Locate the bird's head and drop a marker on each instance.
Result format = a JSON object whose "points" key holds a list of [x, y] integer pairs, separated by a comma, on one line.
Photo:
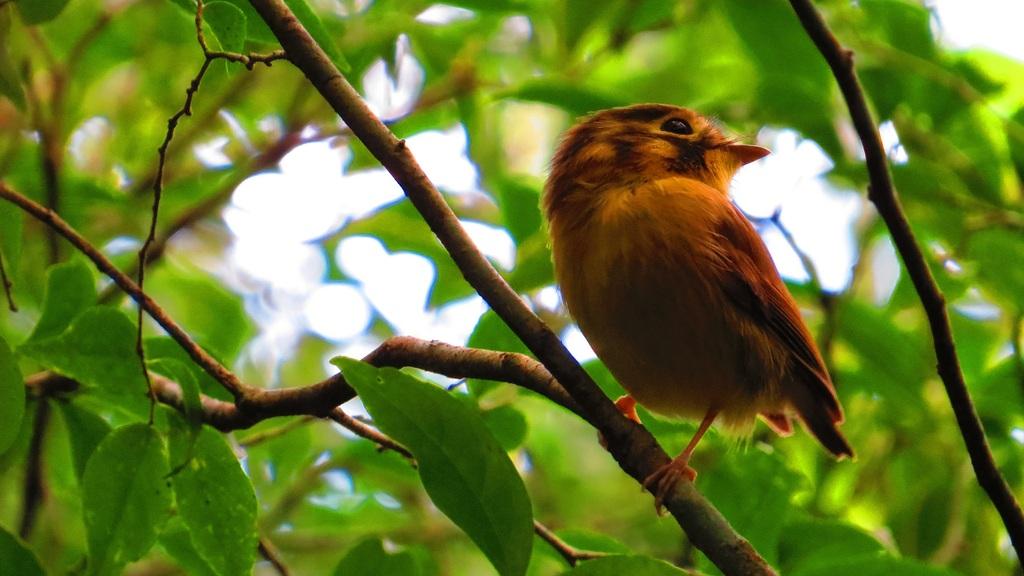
{"points": [[626, 146]]}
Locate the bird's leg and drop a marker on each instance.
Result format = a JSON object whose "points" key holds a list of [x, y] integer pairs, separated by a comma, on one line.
{"points": [[664, 479], [627, 405]]}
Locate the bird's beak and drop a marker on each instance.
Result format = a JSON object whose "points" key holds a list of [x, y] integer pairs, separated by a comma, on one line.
{"points": [[747, 153]]}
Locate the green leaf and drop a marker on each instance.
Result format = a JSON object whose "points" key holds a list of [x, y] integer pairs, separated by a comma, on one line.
{"points": [[214, 316], [999, 256], [70, 290], [175, 541], [508, 424], [228, 23], [810, 542], [39, 11], [182, 374], [755, 509], [572, 97], [519, 202], [369, 557], [125, 497], [17, 557], [257, 30], [491, 333], [215, 499], [534, 267], [11, 223], [618, 565], [12, 397], [164, 347], [311, 22], [98, 350], [85, 432], [873, 565], [463, 468]]}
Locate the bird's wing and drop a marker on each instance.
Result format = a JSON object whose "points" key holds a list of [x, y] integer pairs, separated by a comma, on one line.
{"points": [[753, 284]]}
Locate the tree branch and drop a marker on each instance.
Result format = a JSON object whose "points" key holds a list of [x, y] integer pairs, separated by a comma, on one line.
{"points": [[270, 554], [572, 555], [882, 193], [370, 433], [58, 225], [7, 286], [633, 447]]}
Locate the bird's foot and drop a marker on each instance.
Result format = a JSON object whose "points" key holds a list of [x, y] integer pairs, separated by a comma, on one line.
{"points": [[627, 405], [664, 479]]}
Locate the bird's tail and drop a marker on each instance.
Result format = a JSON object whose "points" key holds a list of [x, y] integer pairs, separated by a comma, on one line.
{"points": [[819, 410]]}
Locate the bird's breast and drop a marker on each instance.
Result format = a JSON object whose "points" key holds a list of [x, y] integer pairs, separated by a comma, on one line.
{"points": [[640, 278]]}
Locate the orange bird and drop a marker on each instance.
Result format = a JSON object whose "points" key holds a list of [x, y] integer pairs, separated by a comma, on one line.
{"points": [[671, 285]]}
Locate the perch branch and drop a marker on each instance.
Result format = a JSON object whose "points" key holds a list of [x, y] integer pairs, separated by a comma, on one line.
{"points": [[633, 447], [882, 193]]}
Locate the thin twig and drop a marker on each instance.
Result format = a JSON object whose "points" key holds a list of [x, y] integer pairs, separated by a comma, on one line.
{"points": [[158, 186], [34, 489], [7, 286], [205, 207], [632, 446], [261, 437], [572, 555], [56, 223], [370, 433], [270, 554], [882, 193]]}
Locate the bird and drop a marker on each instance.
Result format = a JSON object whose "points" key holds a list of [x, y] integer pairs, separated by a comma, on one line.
{"points": [[672, 286]]}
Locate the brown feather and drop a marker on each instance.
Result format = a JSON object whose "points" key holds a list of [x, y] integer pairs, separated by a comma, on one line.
{"points": [[754, 285], [671, 285]]}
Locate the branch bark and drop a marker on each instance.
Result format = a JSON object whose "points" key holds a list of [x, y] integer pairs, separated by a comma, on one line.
{"points": [[59, 226], [883, 195], [633, 447]]}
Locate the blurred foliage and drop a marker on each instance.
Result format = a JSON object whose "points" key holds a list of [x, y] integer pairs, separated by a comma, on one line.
{"points": [[86, 89]]}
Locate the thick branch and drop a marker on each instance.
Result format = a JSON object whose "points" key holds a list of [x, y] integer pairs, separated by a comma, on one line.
{"points": [[882, 193], [57, 224], [631, 445]]}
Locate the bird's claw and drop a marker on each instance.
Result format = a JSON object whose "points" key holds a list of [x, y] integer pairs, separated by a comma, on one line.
{"points": [[664, 479]]}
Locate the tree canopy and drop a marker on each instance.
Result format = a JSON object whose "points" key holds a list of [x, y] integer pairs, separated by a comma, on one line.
{"points": [[315, 371]]}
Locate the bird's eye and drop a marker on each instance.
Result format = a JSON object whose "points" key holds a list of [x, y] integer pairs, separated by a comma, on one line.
{"points": [[677, 126]]}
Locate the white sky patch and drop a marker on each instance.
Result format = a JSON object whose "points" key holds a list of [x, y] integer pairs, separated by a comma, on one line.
{"points": [[577, 344], [291, 267], [298, 204], [819, 217], [992, 24], [443, 157], [211, 153], [88, 142], [494, 242], [337, 311], [891, 142], [549, 297], [394, 95], [885, 271], [444, 14], [396, 285]]}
